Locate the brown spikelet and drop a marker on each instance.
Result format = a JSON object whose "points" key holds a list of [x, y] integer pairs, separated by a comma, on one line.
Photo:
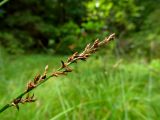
{"points": [[16, 102], [63, 64], [68, 69], [71, 58], [43, 77], [36, 78], [56, 74], [96, 42], [30, 86]]}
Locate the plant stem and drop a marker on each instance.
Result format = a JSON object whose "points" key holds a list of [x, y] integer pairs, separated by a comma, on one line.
{"points": [[64, 69], [5, 107]]}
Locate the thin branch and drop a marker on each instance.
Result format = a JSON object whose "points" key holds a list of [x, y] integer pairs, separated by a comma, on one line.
{"points": [[63, 70]]}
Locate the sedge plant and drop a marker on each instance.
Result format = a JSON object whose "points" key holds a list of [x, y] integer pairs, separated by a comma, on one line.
{"points": [[64, 69]]}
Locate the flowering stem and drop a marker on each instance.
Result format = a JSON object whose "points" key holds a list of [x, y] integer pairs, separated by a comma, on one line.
{"points": [[63, 70]]}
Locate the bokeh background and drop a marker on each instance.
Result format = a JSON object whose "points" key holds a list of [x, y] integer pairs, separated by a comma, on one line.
{"points": [[120, 82]]}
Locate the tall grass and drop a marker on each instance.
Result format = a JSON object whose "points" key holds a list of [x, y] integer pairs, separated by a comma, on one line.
{"points": [[99, 92]]}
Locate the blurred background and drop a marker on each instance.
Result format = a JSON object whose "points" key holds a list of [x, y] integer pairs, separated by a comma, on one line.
{"points": [[120, 82]]}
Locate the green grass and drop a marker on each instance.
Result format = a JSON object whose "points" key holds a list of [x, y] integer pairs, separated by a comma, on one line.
{"points": [[95, 90]]}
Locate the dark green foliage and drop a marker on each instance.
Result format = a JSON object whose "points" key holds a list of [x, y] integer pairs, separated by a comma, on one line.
{"points": [[10, 43], [35, 24], [68, 36], [147, 41], [67, 25]]}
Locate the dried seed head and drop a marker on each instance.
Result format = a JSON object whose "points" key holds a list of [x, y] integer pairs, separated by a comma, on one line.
{"points": [[56, 74], [68, 70], [71, 58], [82, 57], [88, 47], [30, 86], [28, 99], [43, 77], [96, 42], [36, 78], [16, 102], [63, 64], [107, 39], [87, 55]]}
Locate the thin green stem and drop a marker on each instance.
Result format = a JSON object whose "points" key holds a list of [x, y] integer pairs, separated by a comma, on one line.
{"points": [[5, 107]]}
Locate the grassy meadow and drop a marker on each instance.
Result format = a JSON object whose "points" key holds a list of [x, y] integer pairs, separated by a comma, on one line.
{"points": [[101, 88], [110, 85]]}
